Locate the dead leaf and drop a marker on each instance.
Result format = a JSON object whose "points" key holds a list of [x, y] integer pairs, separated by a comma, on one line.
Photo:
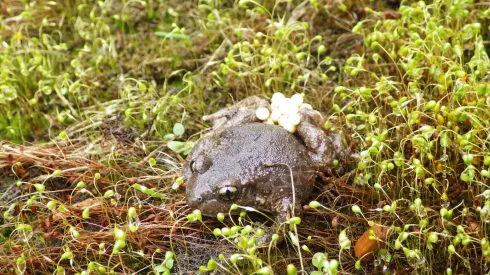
{"points": [[58, 216], [92, 202], [473, 225], [365, 246], [20, 170], [335, 222]]}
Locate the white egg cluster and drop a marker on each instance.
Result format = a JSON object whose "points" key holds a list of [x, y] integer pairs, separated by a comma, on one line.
{"points": [[284, 111]]}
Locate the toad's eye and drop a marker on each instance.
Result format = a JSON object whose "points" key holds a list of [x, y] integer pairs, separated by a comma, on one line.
{"points": [[200, 164], [228, 193], [193, 166]]}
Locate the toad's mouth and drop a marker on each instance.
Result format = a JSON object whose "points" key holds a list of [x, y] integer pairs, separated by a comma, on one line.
{"points": [[213, 207]]}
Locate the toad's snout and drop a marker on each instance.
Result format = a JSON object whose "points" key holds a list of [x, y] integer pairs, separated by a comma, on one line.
{"points": [[193, 196], [194, 201], [213, 197]]}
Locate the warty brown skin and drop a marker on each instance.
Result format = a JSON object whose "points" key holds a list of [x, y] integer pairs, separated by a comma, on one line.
{"points": [[257, 160]]}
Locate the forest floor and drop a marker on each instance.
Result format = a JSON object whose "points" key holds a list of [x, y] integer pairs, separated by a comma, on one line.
{"points": [[100, 101]]}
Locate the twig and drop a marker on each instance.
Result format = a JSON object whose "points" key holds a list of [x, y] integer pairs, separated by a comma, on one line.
{"points": [[226, 42]]}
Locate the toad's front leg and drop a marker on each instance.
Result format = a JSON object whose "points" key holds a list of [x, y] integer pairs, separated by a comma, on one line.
{"points": [[286, 209]]}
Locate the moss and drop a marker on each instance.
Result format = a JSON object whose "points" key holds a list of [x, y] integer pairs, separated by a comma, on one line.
{"points": [[95, 89]]}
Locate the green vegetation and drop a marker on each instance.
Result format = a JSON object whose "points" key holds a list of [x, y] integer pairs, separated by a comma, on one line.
{"points": [[101, 100]]}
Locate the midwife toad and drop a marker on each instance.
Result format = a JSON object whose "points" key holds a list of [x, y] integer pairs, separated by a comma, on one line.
{"points": [[253, 164]]}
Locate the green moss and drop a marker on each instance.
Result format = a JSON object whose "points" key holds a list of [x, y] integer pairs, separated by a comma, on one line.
{"points": [[109, 86]]}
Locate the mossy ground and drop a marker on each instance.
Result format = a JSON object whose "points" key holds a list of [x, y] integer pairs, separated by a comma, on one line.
{"points": [[100, 101]]}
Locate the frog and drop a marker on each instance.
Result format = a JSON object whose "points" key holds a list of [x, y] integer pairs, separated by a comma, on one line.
{"points": [[257, 166]]}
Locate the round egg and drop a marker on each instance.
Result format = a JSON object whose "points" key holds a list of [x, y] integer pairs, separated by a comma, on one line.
{"points": [[262, 113], [275, 115], [305, 106], [277, 97], [283, 120], [269, 121], [289, 127], [294, 119], [287, 107], [276, 104], [297, 99]]}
